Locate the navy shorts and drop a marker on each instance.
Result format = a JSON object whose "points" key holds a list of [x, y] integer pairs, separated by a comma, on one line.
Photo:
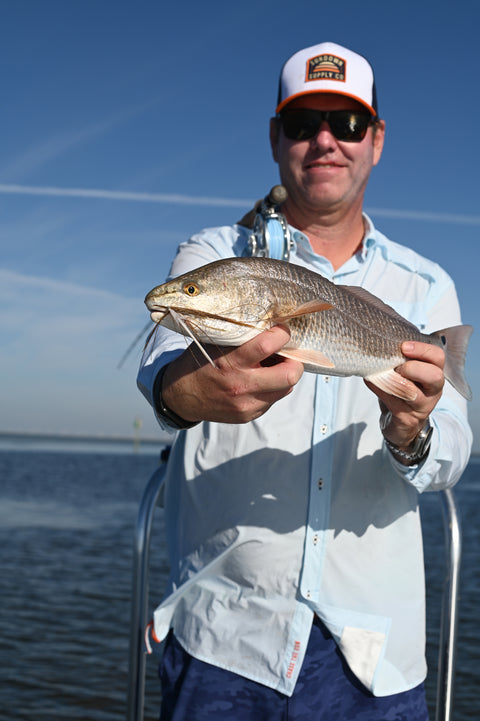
{"points": [[326, 691]]}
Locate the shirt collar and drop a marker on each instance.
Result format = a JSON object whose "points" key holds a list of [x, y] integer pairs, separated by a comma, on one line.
{"points": [[369, 238], [303, 248]]}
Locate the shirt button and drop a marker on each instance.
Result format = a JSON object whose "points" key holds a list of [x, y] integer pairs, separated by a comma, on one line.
{"points": [[308, 594], [326, 379], [315, 539], [324, 428], [320, 484]]}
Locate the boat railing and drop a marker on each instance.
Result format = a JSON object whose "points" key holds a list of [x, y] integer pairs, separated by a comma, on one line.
{"points": [[450, 607], [140, 585], [139, 610]]}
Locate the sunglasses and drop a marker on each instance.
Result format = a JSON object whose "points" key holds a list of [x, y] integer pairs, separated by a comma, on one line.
{"points": [[348, 126]]}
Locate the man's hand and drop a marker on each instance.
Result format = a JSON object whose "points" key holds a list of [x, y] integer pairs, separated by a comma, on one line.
{"points": [[243, 385], [403, 420]]}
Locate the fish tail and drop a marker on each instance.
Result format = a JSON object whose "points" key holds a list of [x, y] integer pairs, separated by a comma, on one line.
{"points": [[455, 342]]}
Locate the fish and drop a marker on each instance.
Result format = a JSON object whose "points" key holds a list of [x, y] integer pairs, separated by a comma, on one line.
{"points": [[337, 330]]}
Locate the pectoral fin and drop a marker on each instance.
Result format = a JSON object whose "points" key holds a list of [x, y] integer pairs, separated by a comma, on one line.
{"points": [[315, 359], [313, 306], [394, 384]]}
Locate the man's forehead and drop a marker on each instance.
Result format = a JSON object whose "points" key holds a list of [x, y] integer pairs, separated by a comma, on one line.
{"points": [[325, 101]]}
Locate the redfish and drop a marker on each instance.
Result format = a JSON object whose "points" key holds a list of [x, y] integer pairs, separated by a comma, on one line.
{"points": [[335, 329]]}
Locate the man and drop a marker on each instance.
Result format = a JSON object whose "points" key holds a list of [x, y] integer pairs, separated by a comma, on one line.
{"points": [[292, 511]]}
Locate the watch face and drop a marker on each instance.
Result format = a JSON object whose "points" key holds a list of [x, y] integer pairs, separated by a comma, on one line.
{"points": [[423, 440]]}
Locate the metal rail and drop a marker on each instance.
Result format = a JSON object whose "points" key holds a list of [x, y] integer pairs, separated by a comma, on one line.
{"points": [[138, 621], [449, 619]]}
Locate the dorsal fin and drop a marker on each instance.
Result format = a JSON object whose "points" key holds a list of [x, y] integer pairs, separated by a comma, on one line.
{"points": [[365, 295]]}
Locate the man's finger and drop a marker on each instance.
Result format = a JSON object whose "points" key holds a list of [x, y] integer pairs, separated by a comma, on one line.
{"points": [[426, 352], [264, 345], [426, 375]]}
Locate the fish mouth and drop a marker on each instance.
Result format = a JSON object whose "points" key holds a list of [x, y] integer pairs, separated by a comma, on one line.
{"points": [[157, 312], [158, 315]]}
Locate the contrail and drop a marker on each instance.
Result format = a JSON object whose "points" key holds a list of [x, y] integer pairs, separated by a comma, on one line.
{"points": [[425, 215], [179, 199], [167, 198]]}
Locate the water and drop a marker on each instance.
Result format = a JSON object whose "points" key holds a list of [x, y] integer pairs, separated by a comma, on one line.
{"points": [[66, 530]]}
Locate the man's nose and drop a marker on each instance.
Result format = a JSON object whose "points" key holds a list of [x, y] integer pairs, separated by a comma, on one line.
{"points": [[324, 136]]}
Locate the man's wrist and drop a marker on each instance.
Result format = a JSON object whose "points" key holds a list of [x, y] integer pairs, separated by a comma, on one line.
{"points": [[168, 416], [418, 448]]}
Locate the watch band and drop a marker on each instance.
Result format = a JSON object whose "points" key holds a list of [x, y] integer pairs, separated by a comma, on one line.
{"points": [[419, 447], [162, 410]]}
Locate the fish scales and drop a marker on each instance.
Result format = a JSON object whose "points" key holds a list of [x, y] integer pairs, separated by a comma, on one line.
{"points": [[369, 328], [335, 329]]}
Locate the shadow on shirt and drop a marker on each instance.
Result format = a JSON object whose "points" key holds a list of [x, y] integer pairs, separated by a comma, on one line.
{"points": [[328, 488]]}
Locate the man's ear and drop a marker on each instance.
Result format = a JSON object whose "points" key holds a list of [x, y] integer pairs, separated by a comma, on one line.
{"points": [[378, 140]]}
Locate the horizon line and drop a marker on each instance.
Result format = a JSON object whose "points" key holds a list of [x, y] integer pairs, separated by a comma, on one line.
{"points": [[99, 437], [180, 199]]}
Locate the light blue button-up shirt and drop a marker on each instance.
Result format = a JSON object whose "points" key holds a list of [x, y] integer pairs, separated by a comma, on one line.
{"points": [[304, 510]]}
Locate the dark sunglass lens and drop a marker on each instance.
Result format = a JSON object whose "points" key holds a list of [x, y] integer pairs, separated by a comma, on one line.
{"points": [[349, 127], [299, 125]]}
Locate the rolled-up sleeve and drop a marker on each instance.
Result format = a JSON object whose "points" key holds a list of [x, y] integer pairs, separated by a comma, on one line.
{"points": [[452, 437]]}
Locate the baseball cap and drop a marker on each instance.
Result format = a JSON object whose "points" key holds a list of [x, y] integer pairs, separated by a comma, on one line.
{"points": [[327, 68]]}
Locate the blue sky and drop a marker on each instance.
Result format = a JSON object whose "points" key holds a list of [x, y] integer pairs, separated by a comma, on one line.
{"points": [[126, 126]]}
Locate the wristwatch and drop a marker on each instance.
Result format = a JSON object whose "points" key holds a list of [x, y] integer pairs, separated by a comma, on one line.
{"points": [[162, 410], [419, 447]]}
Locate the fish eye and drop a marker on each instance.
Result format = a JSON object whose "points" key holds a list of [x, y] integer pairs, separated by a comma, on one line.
{"points": [[191, 289], [443, 339]]}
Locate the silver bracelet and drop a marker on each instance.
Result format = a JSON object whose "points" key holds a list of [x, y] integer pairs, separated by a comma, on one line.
{"points": [[420, 446]]}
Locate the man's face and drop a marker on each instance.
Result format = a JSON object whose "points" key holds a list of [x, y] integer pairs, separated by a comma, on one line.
{"points": [[322, 174]]}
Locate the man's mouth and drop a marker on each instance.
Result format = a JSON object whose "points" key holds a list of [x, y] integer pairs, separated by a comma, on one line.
{"points": [[318, 164]]}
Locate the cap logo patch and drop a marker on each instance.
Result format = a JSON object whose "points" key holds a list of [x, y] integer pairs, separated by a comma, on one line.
{"points": [[326, 67]]}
